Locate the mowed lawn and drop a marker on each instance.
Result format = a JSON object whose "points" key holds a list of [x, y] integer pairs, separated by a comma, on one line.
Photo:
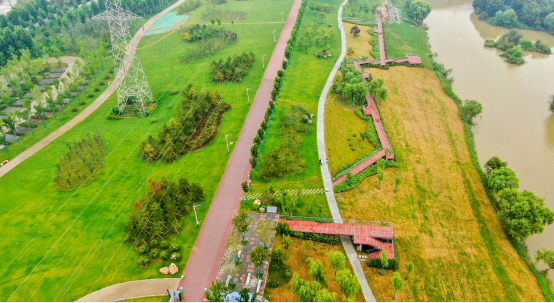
{"points": [[304, 80], [63, 245], [340, 124], [443, 220]]}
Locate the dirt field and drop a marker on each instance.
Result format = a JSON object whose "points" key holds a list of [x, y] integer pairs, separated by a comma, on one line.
{"points": [[360, 45], [340, 124], [443, 221], [296, 265]]}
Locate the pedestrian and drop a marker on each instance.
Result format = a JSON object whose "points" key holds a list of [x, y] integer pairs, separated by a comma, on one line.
{"points": [[320, 163], [326, 160]]}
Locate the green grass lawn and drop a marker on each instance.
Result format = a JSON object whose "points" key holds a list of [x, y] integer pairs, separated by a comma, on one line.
{"points": [[61, 118], [404, 38], [304, 80], [147, 299], [71, 243]]}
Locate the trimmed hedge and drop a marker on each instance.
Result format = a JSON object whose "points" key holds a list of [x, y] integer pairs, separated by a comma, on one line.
{"points": [[371, 132], [394, 264], [284, 229], [357, 179]]}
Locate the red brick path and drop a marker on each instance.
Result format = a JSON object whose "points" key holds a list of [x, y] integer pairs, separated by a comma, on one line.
{"points": [[203, 264]]}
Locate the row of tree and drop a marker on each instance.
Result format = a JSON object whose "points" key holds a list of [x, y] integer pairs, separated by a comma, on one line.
{"points": [[531, 14], [522, 213]]}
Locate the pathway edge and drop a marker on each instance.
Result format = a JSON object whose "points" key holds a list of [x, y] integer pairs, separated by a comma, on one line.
{"points": [[346, 241]]}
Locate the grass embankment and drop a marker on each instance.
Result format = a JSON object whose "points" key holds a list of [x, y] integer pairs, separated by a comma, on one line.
{"points": [[444, 222], [304, 80], [340, 124], [62, 117], [82, 239], [358, 46], [147, 299], [296, 265]]}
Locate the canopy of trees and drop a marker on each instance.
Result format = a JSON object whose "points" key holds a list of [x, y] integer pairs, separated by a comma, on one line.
{"points": [[351, 84], [159, 213], [513, 46], [234, 68], [531, 14], [418, 10], [194, 126]]}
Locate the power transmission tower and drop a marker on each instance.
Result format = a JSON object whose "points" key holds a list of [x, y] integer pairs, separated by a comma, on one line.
{"points": [[134, 88]]}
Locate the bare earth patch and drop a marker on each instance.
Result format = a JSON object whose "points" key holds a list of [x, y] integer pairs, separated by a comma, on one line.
{"points": [[443, 220]]}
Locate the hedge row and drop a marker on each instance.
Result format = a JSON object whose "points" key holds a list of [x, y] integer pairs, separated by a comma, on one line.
{"points": [[358, 178], [371, 132], [284, 229], [294, 33], [470, 141], [394, 264]]}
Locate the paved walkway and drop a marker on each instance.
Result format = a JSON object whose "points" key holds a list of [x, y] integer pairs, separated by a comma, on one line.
{"points": [[133, 289], [346, 241], [203, 264], [92, 107]]}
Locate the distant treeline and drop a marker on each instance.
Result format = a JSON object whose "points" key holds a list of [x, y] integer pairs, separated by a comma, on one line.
{"points": [[527, 14]]}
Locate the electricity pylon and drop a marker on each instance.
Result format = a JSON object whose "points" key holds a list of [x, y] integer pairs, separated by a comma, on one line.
{"points": [[134, 88]]}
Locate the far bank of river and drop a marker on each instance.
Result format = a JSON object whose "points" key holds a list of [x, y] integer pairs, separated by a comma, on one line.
{"points": [[516, 124]]}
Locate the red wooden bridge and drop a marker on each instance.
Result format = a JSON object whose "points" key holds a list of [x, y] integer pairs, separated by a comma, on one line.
{"points": [[370, 235]]}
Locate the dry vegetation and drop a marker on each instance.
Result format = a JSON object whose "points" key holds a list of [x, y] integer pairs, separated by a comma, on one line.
{"points": [[360, 45], [443, 220], [296, 265], [340, 124]]}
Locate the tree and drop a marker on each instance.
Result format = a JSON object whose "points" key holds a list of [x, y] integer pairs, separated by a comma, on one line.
{"points": [[218, 291], [546, 256], [323, 295], [397, 283], [470, 110], [398, 181], [265, 231], [245, 189], [258, 256], [523, 213], [549, 23], [241, 222], [494, 163], [502, 178], [306, 245], [380, 176], [286, 241], [410, 267], [278, 256], [355, 31], [348, 283], [337, 260], [418, 10], [384, 261], [306, 291], [317, 271], [514, 55], [506, 18]]}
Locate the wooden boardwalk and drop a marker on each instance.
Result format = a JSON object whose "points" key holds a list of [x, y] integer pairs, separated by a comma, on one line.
{"points": [[369, 235]]}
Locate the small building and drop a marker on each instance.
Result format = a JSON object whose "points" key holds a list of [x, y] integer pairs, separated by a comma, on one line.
{"points": [[271, 210]]}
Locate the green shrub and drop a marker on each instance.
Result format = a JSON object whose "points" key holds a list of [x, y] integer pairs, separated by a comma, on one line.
{"points": [[111, 116], [153, 254], [174, 92], [393, 263], [490, 43], [164, 255], [143, 261], [255, 207], [144, 249], [284, 229], [90, 95], [175, 247], [97, 89], [107, 76], [176, 256], [357, 179], [101, 82], [82, 103], [154, 243], [164, 245], [75, 109]]}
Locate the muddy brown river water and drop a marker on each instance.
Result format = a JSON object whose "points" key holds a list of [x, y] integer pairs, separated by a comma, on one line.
{"points": [[516, 124]]}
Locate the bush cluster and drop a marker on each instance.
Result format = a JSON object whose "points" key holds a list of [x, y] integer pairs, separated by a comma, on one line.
{"points": [[234, 68], [219, 39], [284, 229], [371, 132], [394, 264], [198, 118]]}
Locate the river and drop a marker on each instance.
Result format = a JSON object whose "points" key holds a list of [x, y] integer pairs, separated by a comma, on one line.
{"points": [[516, 124]]}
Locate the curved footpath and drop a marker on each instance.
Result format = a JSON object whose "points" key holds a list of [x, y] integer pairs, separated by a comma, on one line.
{"points": [[346, 241], [133, 289], [205, 259], [93, 106]]}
